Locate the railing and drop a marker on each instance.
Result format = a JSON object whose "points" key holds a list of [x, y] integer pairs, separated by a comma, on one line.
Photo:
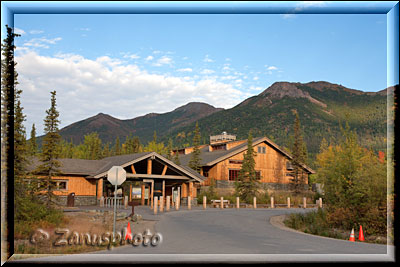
{"points": [[221, 137], [110, 202]]}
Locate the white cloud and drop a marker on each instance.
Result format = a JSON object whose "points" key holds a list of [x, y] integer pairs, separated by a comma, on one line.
{"points": [[19, 31], [208, 59], [207, 71], [255, 78], [272, 68], [86, 87], [149, 58], [185, 70], [42, 42], [131, 56], [36, 31], [164, 60]]}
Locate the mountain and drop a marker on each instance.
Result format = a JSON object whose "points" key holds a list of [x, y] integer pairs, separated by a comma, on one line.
{"points": [[109, 128], [322, 106]]}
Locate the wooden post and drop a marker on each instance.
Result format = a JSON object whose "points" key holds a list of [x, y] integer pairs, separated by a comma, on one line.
{"points": [[161, 204], [101, 201], [320, 202], [237, 203], [204, 202], [288, 202], [255, 202], [221, 205], [164, 170], [191, 189], [272, 203], [152, 193], [167, 204], [304, 202], [142, 194], [189, 204], [130, 192], [163, 188], [177, 203], [155, 205], [126, 202]]}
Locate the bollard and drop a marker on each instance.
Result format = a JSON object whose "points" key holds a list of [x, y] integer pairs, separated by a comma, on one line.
{"points": [[167, 204], [189, 204], [237, 203], [204, 202], [320, 202], [272, 203], [255, 202], [126, 202], [161, 203], [222, 203], [101, 201], [288, 202], [177, 203], [155, 206], [304, 202]]}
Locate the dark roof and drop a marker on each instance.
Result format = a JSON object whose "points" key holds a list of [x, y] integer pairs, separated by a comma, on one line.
{"points": [[72, 166], [211, 158], [99, 168]]}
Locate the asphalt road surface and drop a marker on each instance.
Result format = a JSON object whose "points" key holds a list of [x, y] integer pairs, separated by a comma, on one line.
{"points": [[232, 235]]}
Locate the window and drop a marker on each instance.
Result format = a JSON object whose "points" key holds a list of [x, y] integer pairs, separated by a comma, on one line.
{"points": [[231, 161], [289, 165], [233, 175], [60, 185], [219, 147], [261, 149], [205, 173], [258, 175]]}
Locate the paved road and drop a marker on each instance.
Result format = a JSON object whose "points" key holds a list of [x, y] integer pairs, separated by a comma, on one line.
{"points": [[233, 233]]}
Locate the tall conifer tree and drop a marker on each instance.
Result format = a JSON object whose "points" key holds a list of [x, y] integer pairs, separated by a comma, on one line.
{"points": [[50, 150], [195, 159]]}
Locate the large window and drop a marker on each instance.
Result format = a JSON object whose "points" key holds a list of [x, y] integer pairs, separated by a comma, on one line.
{"points": [[258, 175], [233, 175]]}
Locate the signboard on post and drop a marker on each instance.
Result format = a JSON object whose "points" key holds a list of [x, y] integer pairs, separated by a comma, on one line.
{"points": [[116, 175]]}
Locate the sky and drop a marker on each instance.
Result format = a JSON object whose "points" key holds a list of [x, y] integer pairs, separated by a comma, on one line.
{"points": [[129, 65]]}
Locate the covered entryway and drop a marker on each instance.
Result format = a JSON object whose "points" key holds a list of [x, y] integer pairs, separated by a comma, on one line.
{"points": [[150, 175]]}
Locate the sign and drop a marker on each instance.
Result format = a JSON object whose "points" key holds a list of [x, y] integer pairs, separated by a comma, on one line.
{"points": [[116, 175], [136, 192]]}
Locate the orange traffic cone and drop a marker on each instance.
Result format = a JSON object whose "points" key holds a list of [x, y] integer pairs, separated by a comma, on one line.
{"points": [[352, 236], [361, 234], [128, 232]]}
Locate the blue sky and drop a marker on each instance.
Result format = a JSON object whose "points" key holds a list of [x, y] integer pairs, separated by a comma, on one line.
{"points": [[131, 65]]}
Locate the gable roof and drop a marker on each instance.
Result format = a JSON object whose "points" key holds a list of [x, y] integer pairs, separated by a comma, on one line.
{"points": [[211, 158], [99, 168]]}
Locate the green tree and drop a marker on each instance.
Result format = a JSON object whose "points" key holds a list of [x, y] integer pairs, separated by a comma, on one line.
{"points": [[132, 145], [33, 147], [195, 159], [246, 186], [50, 165], [299, 156], [176, 158], [354, 184], [117, 147], [169, 149], [92, 146], [153, 146]]}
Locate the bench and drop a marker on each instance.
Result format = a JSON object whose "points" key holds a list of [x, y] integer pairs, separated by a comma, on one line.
{"points": [[216, 203]]}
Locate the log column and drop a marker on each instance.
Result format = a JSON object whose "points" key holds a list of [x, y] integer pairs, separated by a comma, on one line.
{"points": [[143, 193]]}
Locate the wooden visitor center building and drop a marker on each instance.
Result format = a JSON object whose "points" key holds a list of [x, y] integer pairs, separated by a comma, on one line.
{"points": [[150, 174]]}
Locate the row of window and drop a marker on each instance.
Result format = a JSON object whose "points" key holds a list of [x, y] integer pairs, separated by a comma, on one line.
{"points": [[233, 175]]}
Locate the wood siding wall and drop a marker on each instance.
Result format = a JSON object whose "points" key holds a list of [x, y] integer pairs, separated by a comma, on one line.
{"points": [[272, 166], [78, 185]]}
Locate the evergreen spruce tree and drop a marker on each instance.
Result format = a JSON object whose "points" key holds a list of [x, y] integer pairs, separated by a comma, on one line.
{"points": [[169, 149], [195, 159], [176, 158], [50, 151], [246, 186], [299, 154], [117, 147], [33, 147]]}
